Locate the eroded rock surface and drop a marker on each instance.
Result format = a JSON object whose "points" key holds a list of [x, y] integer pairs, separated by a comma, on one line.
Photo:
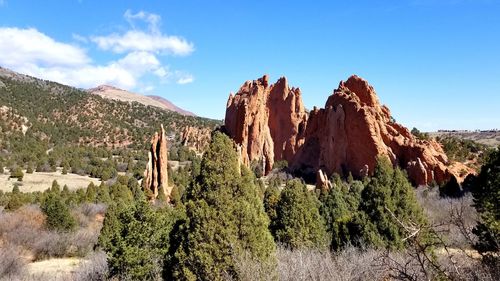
{"points": [[156, 174], [269, 123], [266, 121]]}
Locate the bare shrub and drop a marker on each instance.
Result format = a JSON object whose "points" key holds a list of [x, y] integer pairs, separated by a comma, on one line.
{"points": [[94, 268], [25, 228], [453, 218], [12, 265], [349, 264]]}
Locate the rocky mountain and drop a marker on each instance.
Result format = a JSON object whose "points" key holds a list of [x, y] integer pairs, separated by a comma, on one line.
{"points": [[170, 106], [269, 123], [114, 93]]}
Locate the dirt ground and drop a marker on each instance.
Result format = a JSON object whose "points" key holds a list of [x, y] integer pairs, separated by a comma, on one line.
{"points": [[42, 181]]}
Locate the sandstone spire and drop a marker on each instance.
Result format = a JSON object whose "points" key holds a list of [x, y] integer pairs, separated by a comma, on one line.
{"points": [[267, 121], [156, 174]]}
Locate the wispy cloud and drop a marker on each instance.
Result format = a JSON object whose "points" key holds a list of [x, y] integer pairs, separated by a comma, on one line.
{"points": [[150, 40], [185, 79]]}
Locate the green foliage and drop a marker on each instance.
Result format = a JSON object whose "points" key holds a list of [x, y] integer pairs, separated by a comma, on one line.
{"points": [[388, 198], [339, 209], [419, 135], [280, 165], [298, 223], [257, 167], [461, 149], [486, 194], [136, 239], [225, 218], [271, 199], [17, 173], [15, 201], [58, 215]]}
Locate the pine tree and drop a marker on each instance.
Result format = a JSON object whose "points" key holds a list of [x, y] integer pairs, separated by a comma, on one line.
{"points": [[486, 192], [225, 219], [298, 222]]}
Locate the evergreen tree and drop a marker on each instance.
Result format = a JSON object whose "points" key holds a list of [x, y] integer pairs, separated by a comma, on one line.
{"points": [[15, 201], [225, 219], [486, 192], [387, 198], [271, 199], [136, 239], [339, 210], [58, 214], [17, 173], [298, 222], [55, 188]]}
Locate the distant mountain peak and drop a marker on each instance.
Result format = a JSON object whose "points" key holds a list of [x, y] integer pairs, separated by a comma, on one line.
{"points": [[111, 92]]}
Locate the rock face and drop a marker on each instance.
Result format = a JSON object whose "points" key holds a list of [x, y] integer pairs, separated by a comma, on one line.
{"points": [[354, 129], [266, 121], [196, 138], [270, 124], [156, 174]]}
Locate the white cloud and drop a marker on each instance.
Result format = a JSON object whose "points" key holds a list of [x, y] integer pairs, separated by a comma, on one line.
{"points": [[79, 38], [30, 45], [134, 40], [185, 79], [153, 20], [34, 53], [151, 40]]}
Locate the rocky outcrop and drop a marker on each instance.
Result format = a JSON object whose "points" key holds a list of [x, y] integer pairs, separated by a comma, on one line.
{"points": [[354, 129], [270, 123], [196, 138], [266, 121], [322, 182], [156, 174]]}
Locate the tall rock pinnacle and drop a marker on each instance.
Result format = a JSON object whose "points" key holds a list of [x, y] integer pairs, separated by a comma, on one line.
{"points": [[156, 174]]}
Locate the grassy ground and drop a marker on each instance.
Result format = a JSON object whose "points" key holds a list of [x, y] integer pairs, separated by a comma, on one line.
{"points": [[41, 181]]}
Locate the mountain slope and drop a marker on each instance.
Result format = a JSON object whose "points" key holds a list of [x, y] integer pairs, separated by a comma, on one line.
{"points": [[114, 93], [169, 105], [59, 114]]}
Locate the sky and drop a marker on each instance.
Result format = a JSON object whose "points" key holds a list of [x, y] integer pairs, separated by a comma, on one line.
{"points": [[434, 63]]}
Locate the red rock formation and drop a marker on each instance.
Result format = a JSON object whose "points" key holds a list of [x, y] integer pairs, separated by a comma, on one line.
{"points": [[267, 121], [354, 129], [196, 138], [156, 174]]}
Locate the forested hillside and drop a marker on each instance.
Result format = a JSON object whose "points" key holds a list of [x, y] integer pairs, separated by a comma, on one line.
{"points": [[42, 123]]}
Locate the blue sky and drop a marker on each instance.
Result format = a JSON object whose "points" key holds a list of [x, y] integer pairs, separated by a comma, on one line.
{"points": [[435, 63]]}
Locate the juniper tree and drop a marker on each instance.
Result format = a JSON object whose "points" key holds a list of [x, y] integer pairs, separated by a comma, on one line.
{"points": [[225, 219], [298, 223]]}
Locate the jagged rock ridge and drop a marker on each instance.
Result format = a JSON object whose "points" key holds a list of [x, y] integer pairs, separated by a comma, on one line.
{"points": [[270, 123], [267, 121]]}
